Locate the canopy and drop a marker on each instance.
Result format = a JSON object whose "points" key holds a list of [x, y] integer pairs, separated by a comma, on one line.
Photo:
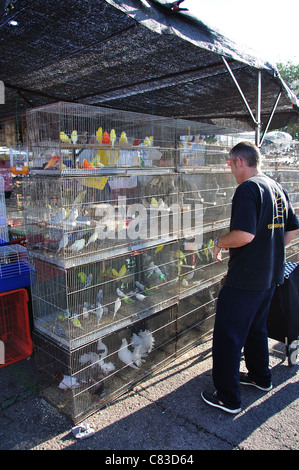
{"points": [[136, 55]]}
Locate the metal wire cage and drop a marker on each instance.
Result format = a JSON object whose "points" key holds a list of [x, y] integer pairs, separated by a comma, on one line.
{"points": [[68, 135]]}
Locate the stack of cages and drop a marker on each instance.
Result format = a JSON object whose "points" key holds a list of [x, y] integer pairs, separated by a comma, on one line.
{"points": [[120, 212]]}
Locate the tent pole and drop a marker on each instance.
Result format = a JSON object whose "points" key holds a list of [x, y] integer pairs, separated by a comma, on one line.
{"points": [[239, 88], [258, 123], [271, 116]]}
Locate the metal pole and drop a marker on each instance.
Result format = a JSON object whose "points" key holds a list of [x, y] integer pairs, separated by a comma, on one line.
{"points": [[258, 109], [271, 116], [239, 88]]}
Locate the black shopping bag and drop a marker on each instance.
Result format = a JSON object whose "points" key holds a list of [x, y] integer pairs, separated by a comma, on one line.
{"points": [[283, 318]]}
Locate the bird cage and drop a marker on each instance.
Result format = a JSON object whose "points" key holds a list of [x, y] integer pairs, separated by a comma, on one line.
{"points": [[15, 271], [68, 136], [3, 221], [19, 160], [120, 233], [95, 374]]}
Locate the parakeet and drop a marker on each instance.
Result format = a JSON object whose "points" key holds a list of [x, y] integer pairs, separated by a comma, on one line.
{"points": [[139, 296], [99, 296], [154, 202], [99, 312], [99, 135], [125, 355], [63, 242], [159, 248], [65, 138], [122, 295], [79, 198], [88, 280], [77, 323], [72, 215], [78, 245], [121, 273], [93, 238], [146, 142], [60, 216], [117, 306], [74, 137]]}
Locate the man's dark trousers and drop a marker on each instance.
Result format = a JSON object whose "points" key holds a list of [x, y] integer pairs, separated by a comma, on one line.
{"points": [[240, 321]]}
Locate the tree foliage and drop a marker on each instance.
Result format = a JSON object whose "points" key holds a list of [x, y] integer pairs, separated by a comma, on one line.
{"points": [[290, 74]]}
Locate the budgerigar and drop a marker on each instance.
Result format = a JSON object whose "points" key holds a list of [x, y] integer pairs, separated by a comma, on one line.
{"points": [[112, 137], [92, 238], [63, 242], [117, 306], [78, 245], [73, 215]]}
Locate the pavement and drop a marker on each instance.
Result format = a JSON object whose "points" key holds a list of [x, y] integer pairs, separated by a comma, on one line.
{"points": [[164, 413]]}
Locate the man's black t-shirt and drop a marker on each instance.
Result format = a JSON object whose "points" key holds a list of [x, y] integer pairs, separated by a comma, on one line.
{"points": [[261, 207]]}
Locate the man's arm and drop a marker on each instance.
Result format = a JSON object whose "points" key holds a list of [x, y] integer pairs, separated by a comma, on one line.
{"points": [[233, 239]]}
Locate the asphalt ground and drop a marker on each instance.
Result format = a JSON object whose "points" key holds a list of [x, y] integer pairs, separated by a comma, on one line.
{"points": [[162, 416]]}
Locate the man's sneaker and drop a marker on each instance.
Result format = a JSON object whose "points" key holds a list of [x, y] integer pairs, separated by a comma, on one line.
{"points": [[214, 401], [245, 380]]}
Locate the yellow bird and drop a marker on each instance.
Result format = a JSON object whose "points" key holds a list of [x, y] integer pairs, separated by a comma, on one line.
{"points": [[64, 138], [123, 138], [146, 142], [112, 137], [74, 137], [99, 135]]}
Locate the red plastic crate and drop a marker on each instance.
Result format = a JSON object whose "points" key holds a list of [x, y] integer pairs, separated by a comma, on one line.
{"points": [[15, 336]]}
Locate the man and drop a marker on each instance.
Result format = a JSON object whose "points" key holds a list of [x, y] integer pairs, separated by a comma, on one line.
{"points": [[262, 223]]}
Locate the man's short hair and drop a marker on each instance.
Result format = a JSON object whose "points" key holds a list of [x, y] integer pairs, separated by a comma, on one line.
{"points": [[248, 152]]}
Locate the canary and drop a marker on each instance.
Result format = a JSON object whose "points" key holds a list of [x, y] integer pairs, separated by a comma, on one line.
{"points": [[64, 138], [112, 136], [123, 138], [74, 137], [106, 138], [99, 135]]}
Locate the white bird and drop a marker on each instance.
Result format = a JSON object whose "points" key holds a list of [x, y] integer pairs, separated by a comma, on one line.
{"points": [[93, 238], [68, 382], [102, 347], [125, 355], [99, 312], [78, 245], [63, 242], [91, 357], [117, 306], [139, 296], [107, 367], [145, 340], [120, 293]]}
